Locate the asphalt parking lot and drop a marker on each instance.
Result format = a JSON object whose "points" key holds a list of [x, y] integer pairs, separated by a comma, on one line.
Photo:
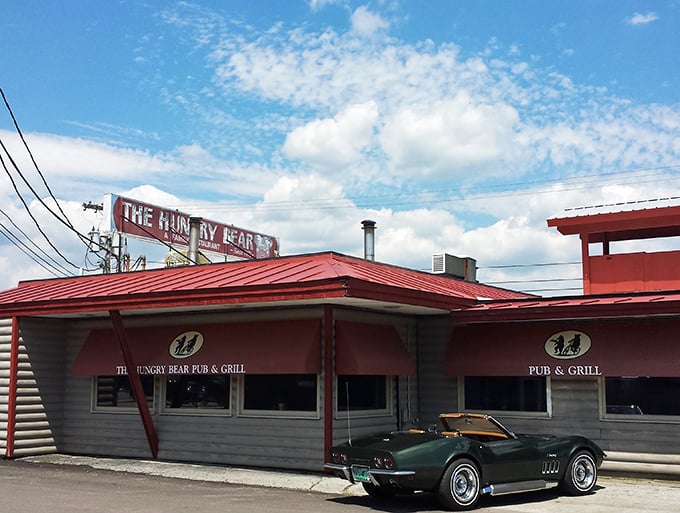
{"points": [[72, 484]]}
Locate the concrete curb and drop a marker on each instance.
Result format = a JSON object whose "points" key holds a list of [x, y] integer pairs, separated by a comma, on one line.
{"points": [[299, 481], [289, 480]]}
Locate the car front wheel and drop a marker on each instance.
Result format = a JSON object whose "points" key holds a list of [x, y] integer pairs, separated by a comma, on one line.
{"points": [[581, 474], [460, 486]]}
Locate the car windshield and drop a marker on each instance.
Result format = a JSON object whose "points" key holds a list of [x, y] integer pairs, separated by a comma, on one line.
{"points": [[469, 422]]}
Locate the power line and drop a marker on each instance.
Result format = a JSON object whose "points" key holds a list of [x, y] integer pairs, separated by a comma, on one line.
{"points": [[63, 218], [435, 196], [55, 264], [13, 239], [543, 264], [28, 211], [30, 153]]}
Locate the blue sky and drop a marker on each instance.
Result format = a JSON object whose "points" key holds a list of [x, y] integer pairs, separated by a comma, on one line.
{"points": [[459, 126]]}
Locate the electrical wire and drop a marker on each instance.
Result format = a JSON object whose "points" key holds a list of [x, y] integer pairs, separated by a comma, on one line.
{"points": [[55, 264], [30, 153], [63, 218], [14, 240], [30, 214]]}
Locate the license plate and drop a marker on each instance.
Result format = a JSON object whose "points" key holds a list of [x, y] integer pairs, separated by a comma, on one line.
{"points": [[360, 474]]}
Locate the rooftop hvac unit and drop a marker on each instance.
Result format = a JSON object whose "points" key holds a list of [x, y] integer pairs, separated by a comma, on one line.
{"points": [[456, 267]]}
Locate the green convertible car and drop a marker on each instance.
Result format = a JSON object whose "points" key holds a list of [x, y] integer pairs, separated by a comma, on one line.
{"points": [[474, 455]]}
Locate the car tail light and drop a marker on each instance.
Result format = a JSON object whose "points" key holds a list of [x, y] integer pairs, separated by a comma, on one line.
{"points": [[388, 462], [335, 457], [378, 462], [344, 459]]}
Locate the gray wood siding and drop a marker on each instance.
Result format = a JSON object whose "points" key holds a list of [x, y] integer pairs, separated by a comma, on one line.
{"points": [[576, 411], [404, 398], [5, 344], [437, 393], [235, 440]]}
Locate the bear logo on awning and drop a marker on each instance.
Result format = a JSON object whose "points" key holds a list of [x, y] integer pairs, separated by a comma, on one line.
{"points": [[186, 344], [569, 344]]}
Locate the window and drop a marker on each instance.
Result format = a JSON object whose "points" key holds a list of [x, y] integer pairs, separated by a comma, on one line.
{"points": [[116, 392], [363, 394], [506, 394], [642, 396], [280, 394], [191, 393]]}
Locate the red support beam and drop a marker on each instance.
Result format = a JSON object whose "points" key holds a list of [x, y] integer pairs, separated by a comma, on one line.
{"points": [[328, 379], [12, 395], [135, 382]]}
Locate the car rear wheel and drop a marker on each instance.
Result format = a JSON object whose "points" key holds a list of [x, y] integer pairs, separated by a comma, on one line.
{"points": [[581, 474], [460, 486], [379, 492]]}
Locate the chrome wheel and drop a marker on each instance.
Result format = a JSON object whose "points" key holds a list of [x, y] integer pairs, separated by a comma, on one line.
{"points": [[581, 474], [460, 485]]}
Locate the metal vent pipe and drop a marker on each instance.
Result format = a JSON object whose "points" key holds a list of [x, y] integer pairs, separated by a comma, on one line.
{"points": [[369, 239], [194, 235]]}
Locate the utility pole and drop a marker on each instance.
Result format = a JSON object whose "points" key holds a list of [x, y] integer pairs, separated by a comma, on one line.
{"points": [[109, 243]]}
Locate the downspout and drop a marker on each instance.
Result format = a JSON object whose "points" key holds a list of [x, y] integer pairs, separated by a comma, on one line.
{"points": [[329, 378], [12, 395], [135, 382]]}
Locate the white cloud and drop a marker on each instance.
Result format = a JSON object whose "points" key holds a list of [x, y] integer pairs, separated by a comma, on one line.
{"points": [[450, 137], [366, 23], [316, 5], [642, 19], [334, 142]]}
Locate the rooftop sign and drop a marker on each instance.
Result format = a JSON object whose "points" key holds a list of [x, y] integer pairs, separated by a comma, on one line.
{"points": [[153, 223]]}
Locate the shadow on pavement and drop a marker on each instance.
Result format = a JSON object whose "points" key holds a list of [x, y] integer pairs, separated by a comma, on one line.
{"points": [[423, 501]]}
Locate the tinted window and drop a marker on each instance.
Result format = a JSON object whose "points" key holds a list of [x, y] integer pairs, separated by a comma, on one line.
{"points": [[506, 393], [642, 396], [362, 393]]}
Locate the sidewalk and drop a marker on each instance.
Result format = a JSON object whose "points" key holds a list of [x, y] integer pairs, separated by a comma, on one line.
{"points": [[290, 480], [621, 465]]}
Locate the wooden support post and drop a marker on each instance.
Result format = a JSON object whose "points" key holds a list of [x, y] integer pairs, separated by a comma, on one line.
{"points": [[328, 380], [135, 382], [12, 395]]}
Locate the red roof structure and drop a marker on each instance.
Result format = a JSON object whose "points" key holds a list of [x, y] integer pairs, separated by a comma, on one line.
{"points": [[321, 278], [609, 272], [579, 307]]}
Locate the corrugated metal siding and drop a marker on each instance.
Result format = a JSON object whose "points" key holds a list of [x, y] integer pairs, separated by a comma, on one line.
{"points": [[39, 386], [437, 393], [5, 344]]}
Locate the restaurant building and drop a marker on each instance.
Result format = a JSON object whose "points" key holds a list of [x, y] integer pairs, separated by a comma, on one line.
{"points": [[269, 362]]}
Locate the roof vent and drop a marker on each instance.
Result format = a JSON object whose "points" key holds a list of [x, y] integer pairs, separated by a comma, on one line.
{"points": [[462, 268], [368, 227]]}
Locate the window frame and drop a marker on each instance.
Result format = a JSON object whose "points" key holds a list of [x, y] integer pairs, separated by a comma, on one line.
{"points": [[277, 414], [623, 417], [95, 408], [518, 414], [388, 411], [208, 412]]}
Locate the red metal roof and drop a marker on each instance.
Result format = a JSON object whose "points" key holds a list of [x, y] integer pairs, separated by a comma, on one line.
{"points": [[581, 307], [319, 276], [624, 225]]}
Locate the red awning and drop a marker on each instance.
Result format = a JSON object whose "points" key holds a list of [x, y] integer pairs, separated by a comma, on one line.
{"points": [[370, 349], [276, 347], [642, 347]]}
